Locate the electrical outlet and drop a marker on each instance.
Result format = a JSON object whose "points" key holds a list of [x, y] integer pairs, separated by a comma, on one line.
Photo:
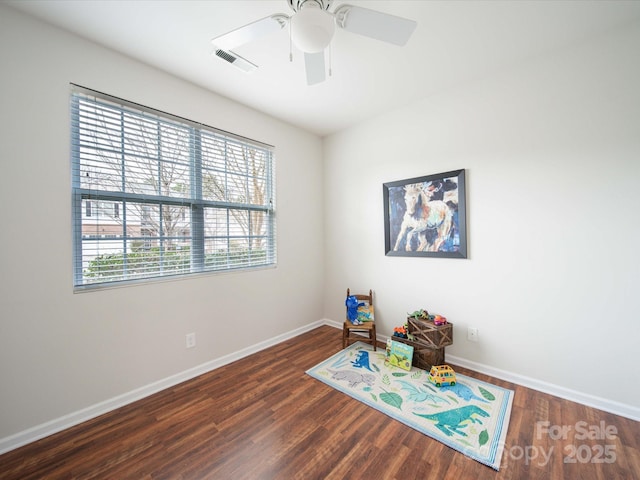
{"points": [[191, 340], [472, 334]]}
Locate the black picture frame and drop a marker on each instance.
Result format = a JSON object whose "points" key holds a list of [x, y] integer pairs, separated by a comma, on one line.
{"points": [[426, 216]]}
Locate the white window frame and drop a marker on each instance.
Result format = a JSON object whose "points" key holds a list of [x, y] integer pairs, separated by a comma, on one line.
{"points": [[234, 241]]}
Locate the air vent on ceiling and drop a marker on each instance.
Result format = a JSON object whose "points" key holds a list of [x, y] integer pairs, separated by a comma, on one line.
{"points": [[236, 60]]}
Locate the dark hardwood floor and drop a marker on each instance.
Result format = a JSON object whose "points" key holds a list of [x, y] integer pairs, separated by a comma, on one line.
{"points": [[263, 418]]}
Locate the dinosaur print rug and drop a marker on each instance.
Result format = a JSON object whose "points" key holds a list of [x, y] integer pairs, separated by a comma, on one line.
{"points": [[471, 416]]}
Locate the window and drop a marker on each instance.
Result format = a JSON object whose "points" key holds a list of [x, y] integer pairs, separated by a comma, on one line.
{"points": [[155, 195]]}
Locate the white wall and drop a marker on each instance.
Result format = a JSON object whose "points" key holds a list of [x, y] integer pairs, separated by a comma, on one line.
{"points": [[552, 153], [61, 352]]}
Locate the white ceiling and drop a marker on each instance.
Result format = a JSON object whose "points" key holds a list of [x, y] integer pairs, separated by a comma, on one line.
{"points": [[455, 42]]}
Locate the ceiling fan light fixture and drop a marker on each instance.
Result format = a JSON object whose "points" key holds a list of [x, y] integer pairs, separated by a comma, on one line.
{"points": [[312, 29]]}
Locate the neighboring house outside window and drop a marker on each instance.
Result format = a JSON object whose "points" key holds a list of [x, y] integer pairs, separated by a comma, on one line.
{"points": [[155, 195]]}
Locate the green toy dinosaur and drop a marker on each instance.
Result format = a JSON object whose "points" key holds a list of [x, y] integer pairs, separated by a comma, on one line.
{"points": [[422, 313]]}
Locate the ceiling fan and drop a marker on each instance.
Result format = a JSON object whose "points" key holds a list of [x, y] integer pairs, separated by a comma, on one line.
{"points": [[312, 26]]}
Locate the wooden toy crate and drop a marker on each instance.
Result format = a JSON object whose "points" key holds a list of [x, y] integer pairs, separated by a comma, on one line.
{"points": [[431, 335], [423, 356]]}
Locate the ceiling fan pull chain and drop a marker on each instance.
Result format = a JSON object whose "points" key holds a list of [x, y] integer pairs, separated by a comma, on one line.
{"points": [[290, 45], [330, 57]]}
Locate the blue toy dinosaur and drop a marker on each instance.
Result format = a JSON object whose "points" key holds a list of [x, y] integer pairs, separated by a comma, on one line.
{"points": [[362, 360], [450, 421], [352, 309]]}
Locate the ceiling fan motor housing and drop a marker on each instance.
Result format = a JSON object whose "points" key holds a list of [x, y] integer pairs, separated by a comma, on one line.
{"points": [[296, 5]]}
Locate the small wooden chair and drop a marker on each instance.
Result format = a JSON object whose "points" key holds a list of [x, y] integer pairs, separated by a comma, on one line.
{"points": [[350, 332]]}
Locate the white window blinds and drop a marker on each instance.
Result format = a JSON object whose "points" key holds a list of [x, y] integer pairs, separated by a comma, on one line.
{"points": [[155, 195]]}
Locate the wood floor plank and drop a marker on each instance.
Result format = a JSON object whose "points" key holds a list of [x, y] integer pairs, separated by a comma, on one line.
{"points": [[262, 417]]}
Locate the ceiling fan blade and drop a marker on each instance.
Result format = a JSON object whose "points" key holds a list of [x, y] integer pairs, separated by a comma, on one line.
{"points": [[314, 66], [374, 24], [251, 32]]}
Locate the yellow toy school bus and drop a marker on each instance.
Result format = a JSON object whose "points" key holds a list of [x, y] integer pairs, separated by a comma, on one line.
{"points": [[442, 375]]}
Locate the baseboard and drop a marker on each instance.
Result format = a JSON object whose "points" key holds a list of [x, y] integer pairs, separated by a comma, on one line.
{"points": [[611, 406], [57, 425], [332, 323], [62, 423]]}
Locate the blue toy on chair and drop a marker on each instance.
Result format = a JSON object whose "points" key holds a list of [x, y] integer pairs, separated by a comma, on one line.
{"points": [[352, 309], [359, 320]]}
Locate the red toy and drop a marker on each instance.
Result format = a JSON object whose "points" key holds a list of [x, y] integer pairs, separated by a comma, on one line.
{"points": [[439, 320]]}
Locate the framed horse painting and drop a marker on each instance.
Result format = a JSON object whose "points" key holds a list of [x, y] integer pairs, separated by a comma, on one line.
{"points": [[426, 216]]}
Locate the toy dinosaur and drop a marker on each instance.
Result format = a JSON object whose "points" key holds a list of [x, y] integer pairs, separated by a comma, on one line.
{"points": [[451, 421], [422, 313], [352, 305]]}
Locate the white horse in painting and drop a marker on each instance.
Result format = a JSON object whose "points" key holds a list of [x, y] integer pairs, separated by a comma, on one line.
{"points": [[421, 216]]}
